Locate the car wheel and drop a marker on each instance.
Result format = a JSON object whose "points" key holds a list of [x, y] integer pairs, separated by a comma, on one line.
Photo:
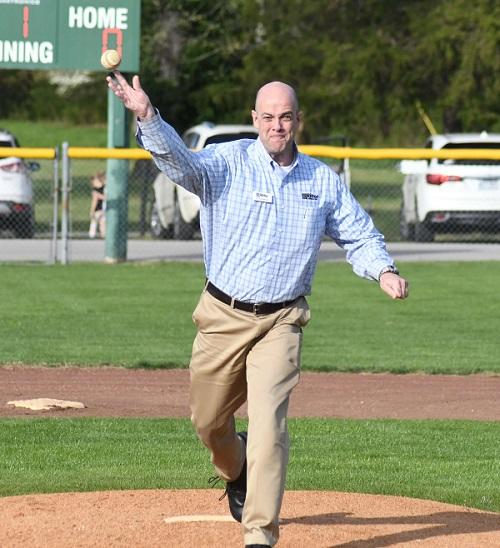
{"points": [[25, 229], [423, 233], [182, 230], [406, 229], [158, 231]]}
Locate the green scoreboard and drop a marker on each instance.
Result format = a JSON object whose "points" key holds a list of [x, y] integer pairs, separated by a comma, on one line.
{"points": [[68, 34]]}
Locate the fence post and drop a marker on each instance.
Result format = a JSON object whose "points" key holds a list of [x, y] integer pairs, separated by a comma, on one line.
{"points": [[55, 209], [65, 204], [116, 184]]}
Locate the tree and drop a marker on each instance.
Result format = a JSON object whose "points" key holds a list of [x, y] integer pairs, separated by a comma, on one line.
{"points": [[360, 66]]}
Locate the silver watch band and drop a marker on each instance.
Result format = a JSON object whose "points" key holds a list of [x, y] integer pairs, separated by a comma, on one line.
{"points": [[392, 269]]}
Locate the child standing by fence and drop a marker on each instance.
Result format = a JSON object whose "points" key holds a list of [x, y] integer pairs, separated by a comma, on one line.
{"points": [[98, 206]]}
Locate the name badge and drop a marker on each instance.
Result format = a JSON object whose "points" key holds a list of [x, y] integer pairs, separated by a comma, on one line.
{"points": [[265, 197]]}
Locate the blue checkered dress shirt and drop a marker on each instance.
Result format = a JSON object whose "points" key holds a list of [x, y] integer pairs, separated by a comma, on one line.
{"points": [[262, 227]]}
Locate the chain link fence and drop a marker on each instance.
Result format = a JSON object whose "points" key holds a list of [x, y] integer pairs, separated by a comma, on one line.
{"points": [[154, 212], [28, 194], [141, 175], [409, 208]]}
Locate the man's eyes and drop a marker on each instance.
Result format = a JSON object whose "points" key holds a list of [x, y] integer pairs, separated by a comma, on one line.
{"points": [[284, 118]]}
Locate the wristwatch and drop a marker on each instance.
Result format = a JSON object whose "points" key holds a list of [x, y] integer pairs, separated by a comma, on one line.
{"points": [[389, 268]]}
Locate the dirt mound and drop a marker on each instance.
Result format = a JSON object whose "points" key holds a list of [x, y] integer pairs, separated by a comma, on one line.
{"points": [[188, 518]]}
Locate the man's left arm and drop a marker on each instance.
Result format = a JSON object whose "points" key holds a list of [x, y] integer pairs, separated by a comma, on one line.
{"points": [[352, 229]]}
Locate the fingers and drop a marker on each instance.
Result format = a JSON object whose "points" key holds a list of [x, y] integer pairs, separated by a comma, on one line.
{"points": [[136, 83], [118, 76], [133, 97], [119, 85], [116, 82], [395, 286], [405, 289]]}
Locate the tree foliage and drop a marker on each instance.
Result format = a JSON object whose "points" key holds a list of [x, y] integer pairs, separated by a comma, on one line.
{"points": [[360, 66]]}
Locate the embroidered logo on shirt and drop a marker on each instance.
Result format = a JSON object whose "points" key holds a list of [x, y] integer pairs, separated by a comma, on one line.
{"points": [[265, 197], [307, 196]]}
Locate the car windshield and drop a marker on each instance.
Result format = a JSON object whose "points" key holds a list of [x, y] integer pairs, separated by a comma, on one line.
{"points": [[226, 137], [482, 162]]}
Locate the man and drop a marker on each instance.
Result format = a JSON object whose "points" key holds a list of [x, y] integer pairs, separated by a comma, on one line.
{"points": [[264, 210]]}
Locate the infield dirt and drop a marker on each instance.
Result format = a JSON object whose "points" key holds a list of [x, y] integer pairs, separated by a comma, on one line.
{"points": [[181, 518]]}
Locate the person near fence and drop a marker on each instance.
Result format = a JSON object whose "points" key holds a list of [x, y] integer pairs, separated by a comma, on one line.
{"points": [[264, 210], [98, 205]]}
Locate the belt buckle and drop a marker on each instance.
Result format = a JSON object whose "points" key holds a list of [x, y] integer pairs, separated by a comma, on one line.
{"points": [[256, 307]]}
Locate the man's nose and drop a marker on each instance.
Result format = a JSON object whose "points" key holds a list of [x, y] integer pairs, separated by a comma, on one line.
{"points": [[277, 124]]}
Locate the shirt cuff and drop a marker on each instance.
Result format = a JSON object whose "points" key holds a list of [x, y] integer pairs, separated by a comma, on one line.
{"points": [[388, 268], [151, 124]]}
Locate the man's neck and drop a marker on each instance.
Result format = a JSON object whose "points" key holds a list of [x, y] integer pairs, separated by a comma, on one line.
{"points": [[284, 158]]}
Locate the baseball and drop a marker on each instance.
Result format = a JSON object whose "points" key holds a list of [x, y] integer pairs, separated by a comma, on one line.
{"points": [[110, 59]]}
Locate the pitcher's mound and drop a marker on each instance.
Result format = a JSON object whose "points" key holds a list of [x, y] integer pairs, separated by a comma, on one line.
{"points": [[195, 518]]}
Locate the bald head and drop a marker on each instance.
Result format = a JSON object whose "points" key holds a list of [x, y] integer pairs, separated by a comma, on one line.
{"points": [[277, 118], [276, 91]]}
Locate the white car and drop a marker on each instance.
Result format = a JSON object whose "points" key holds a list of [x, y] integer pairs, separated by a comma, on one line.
{"points": [[17, 212], [451, 195], [175, 212]]}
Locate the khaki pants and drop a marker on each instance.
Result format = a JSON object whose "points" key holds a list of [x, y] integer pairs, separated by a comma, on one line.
{"points": [[237, 356]]}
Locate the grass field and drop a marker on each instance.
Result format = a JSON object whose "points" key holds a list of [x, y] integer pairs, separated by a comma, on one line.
{"points": [[52, 134], [139, 315], [450, 461]]}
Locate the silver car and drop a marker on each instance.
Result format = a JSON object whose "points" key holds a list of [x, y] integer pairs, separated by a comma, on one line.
{"points": [[175, 212]]}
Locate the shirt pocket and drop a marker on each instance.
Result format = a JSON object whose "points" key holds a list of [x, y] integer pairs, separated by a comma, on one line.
{"points": [[307, 227], [312, 222]]}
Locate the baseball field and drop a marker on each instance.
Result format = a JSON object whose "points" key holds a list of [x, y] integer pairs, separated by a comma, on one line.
{"points": [[394, 425]]}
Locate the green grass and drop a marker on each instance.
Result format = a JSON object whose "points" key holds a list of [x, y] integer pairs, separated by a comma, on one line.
{"points": [[446, 326], [449, 461], [51, 134], [139, 315]]}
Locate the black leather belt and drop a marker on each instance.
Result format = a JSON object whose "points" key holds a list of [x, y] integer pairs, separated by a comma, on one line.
{"points": [[256, 308]]}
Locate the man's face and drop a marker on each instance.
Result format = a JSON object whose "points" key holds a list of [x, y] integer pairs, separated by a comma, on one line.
{"points": [[277, 120]]}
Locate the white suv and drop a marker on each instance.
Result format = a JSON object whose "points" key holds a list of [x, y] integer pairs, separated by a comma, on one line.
{"points": [[175, 212], [451, 195], [16, 191]]}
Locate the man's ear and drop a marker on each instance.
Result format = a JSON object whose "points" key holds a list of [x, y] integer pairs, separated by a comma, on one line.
{"points": [[300, 122], [255, 119]]}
